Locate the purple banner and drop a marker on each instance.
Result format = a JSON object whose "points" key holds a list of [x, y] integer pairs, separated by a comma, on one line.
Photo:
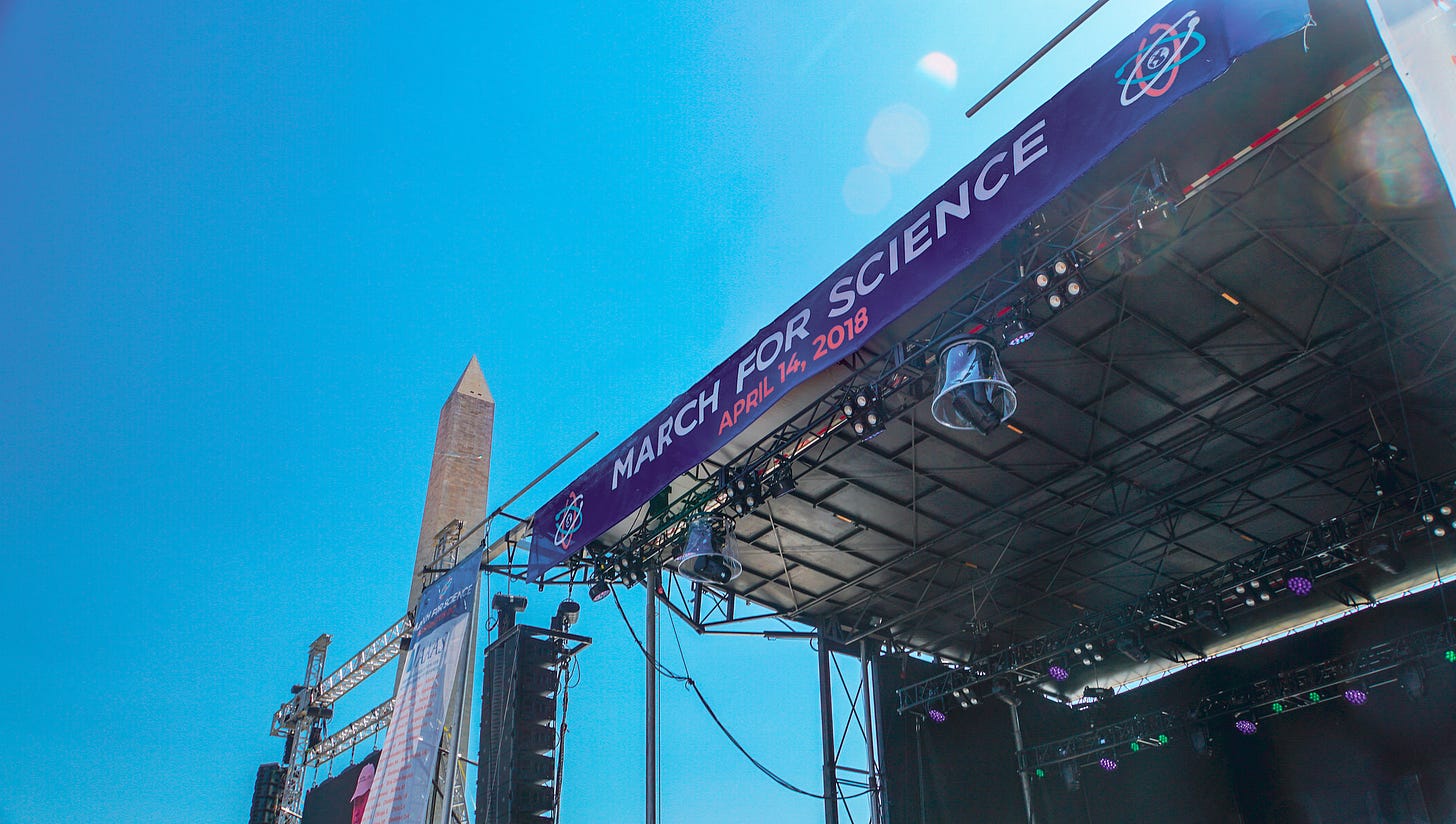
{"points": [[1175, 52]]}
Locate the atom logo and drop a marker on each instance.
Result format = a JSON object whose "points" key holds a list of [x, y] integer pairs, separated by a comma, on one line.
{"points": [[1153, 69], [568, 521]]}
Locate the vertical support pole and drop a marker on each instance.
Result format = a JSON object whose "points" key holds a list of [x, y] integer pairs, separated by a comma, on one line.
{"points": [[650, 768], [826, 731], [1025, 779], [869, 684]]}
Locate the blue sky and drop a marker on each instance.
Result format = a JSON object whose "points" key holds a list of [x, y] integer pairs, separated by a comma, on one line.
{"points": [[246, 249]]}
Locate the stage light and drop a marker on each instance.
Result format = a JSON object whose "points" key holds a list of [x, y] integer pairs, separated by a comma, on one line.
{"points": [[1017, 331], [1042, 280], [1356, 695], [1445, 511], [1071, 776], [1246, 725], [599, 591], [1314, 697], [1058, 673], [1451, 656], [974, 393], [710, 554], [780, 481], [866, 413], [1134, 648], [937, 716], [1134, 746], [1198, 737], [1056, 301], [1040, 773], [1299, 585], [1277, 706], [1209, 616], [1383, 553], [1064, 265], [1439, 532], [1162, 740], [1413, 678], [1074, 288], [1107, 763]]}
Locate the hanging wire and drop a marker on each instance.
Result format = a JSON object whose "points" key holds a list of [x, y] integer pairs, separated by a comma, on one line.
{"points": [[688, 682]]}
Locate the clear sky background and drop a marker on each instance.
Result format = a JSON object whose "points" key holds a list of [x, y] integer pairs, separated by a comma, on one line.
{"points": [[247, 247]]}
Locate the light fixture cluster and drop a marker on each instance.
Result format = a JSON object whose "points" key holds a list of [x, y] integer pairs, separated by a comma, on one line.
{"points": [[744, 489], [1059, 282], [865, 411]]}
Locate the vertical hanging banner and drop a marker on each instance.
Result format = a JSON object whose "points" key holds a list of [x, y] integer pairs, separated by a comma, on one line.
{"points": [[404, 780], [1421, 38], [1173, 53]]}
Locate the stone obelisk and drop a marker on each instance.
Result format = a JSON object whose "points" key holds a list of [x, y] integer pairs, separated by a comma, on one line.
{"points": [[460, 471]]}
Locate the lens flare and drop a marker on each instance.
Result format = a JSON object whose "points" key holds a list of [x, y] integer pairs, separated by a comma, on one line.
{"points": [[898, 137], [940, 68]]}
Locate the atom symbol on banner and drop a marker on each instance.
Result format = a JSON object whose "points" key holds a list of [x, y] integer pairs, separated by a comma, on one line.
{"points": [[568, 520], [1152, 70]]}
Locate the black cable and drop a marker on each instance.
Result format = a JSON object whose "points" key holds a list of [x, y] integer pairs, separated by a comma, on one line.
{"points": [[688, 681]]}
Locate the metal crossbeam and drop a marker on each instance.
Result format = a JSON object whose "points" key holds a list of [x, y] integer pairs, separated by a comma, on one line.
{"points": [[346, 739]]}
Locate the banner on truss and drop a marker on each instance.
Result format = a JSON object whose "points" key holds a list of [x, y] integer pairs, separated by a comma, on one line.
{"points": [[1421, 38], [1177, 50], [428, 690]]}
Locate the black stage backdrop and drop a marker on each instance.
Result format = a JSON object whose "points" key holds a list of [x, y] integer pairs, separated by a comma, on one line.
{"points": [[1391, 760]]}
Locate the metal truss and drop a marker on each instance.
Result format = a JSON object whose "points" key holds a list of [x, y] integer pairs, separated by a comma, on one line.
{"points": [[363, 664], [1096, 230], [301, 720], [1161, 620], [1292, 689], [366, 725]]}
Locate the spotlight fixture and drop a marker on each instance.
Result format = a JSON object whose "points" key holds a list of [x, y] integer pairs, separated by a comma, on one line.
{"points": [[1299, 584], [1056, 300], [1042, 279], [1384, 554], [1017, 331], [779, 481], [1356, 695], [710, 554], [745, 489], [1133, 647], [1245, 724], [1383, 457], [1058, 673], [974, 393], [1074, 288], [599, 590], [865, 412], [630, 571], [1210, 616], [1107, 763], [1413, 678], [937, 716], [1064, 265]]}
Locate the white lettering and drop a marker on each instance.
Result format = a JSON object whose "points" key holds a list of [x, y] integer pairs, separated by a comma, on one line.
{"points": [[677, 422], [841, 293], [982, 193], [1030, 139], [916, 233], [622, 467], [960, 209], [859, 283]]}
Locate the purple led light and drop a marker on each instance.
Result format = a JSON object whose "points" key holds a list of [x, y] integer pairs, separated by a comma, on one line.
{"points": [[1106, 763], [1356, 696], [1300, 585], [1245, 726], [937, 716], [1058, 673]]}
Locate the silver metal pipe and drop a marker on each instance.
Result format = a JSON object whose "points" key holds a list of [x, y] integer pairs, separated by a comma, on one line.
{"points": [[650, 767], [826, 731]]}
